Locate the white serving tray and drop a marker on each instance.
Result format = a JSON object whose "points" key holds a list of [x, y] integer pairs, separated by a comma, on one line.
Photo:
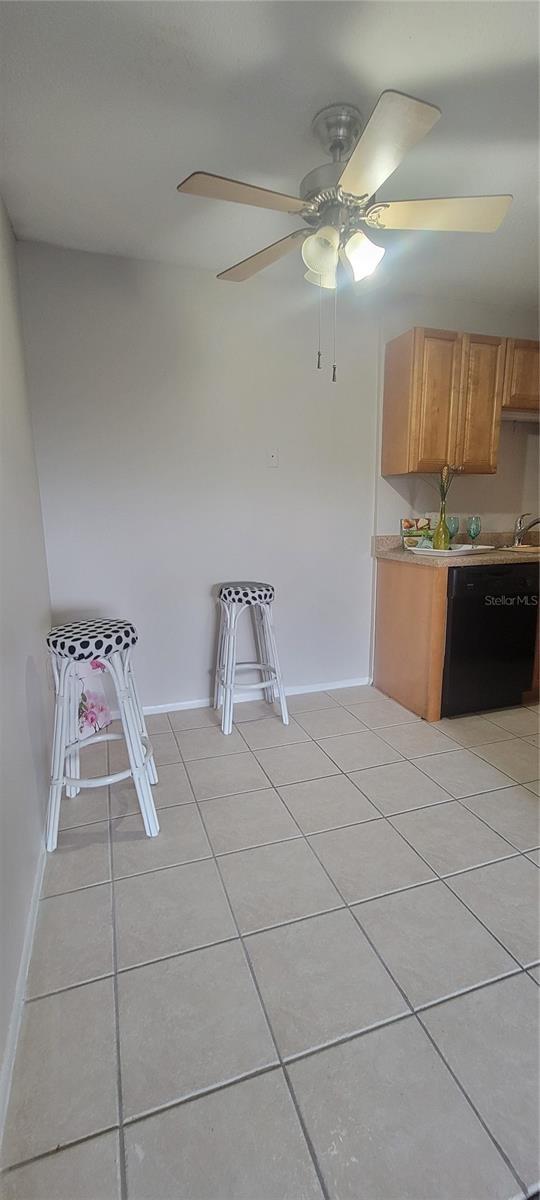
{"points": [[458, 549]]}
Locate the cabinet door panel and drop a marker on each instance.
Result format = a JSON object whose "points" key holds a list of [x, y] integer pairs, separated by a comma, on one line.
{"points": [[435, 391], [521, 380], [480, 402]]}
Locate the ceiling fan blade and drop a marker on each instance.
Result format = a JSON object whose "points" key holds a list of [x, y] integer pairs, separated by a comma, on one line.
{"points": [[459, 214], [396, 124], [264, 258], [216, 187]]}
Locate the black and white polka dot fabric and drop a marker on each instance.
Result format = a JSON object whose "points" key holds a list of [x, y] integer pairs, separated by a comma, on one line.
{"points": [[246, 593], [91, 639]]}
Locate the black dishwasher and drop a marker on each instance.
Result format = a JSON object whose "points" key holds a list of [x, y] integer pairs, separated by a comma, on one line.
{"points": [[490, 636]]}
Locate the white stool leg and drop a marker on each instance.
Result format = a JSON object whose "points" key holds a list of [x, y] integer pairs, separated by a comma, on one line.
{"points": [[220, 659], [134, 745], [262, 653], [60, 739], [271, 642], [74, 758], [150, 764], [230, 668]]}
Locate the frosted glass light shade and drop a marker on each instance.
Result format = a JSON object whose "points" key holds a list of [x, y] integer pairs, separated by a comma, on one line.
{"points": [[328, 280], [320, 251], [363, 255]]}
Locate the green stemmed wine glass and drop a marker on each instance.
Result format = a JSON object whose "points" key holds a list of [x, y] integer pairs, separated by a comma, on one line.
{"points": [[474, 525], [453, 526]]}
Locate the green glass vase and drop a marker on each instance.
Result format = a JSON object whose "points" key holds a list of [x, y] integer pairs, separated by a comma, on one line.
{"points": [[441, 535]]}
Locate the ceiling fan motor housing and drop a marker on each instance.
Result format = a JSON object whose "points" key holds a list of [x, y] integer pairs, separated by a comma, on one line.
{"points": [[326, 203], [337, 127]]}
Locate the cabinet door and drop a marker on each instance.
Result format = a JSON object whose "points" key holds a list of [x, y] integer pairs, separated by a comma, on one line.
{"points": [[435, 398], [521, 378], [479, 420]]}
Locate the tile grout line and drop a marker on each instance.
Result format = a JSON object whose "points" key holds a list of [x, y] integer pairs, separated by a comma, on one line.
{"points": [[462, 1089], [467, 991], [307, 1139], [201, 1093], [444, 880], [149, 962], [119, 816], [119, 1084], [36, 1158], [400, 812], [515, 851], [463, 800]]}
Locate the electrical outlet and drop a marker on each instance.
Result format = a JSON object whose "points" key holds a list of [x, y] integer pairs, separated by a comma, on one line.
{"points": [[272, 458]]}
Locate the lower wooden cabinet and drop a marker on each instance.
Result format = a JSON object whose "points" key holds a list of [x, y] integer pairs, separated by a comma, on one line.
{"points": [[410, 635]]}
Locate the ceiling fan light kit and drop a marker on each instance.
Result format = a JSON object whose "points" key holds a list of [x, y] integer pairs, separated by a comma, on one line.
{"points": [[363, 255], [337, 200]]}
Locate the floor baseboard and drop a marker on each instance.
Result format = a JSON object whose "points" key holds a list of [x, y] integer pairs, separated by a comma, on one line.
{"points": [[256, 694], [20, 988]]}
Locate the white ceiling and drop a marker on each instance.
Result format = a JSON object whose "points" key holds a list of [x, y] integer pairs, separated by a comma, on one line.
{"points": [[106, 106]]}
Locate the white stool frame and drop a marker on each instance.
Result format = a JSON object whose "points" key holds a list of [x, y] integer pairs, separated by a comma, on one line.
{"points": [[227, 666], [65, 769]]}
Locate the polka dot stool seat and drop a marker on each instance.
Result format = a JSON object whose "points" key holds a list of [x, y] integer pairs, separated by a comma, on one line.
{"points": [[91, 639], [247, 593], [109, 642], [233, 598]]}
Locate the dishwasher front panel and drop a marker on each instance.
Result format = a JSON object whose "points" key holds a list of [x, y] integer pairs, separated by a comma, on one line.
{"points": [[490, 637]]}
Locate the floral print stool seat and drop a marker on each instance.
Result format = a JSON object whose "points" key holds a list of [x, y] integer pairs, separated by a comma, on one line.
{"points": [[233, 598], [107, 645]]}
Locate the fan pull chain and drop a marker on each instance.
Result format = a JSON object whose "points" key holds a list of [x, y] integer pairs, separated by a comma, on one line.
{"points": [[334, 367], [319, 345]]}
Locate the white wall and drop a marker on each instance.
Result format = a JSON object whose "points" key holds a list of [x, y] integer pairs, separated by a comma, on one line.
{"points": [[497, 498], [24, 621], [157, 393]]}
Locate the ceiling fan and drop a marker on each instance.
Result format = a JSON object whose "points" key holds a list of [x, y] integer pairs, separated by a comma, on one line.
{"points": [[337, 200]]}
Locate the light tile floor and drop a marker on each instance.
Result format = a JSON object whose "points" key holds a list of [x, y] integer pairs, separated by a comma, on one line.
{"points": [[320, 980]]}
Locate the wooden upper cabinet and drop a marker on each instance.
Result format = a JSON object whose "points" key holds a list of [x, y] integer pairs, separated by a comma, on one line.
{"points": [[522, 375], [442, 402], [436, 374], [481, 388], [421, 394]]}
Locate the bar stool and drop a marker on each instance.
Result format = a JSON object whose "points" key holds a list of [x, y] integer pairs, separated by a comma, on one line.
{"points": [[233, 599], [110, 642]]}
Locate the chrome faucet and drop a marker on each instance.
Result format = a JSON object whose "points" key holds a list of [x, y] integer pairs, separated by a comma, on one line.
{"points": [[521, 527]]}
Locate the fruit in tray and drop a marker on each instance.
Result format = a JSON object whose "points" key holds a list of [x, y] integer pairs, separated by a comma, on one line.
{"points": [[416, 531], [421, 543]]}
